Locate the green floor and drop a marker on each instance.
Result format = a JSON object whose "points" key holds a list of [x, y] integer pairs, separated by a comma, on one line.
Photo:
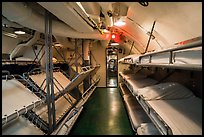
{"points": [[103, 114]]}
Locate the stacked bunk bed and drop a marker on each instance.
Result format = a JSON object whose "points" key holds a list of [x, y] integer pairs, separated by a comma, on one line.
{"points": [[31, 90], [16, 101], [165, 108]]}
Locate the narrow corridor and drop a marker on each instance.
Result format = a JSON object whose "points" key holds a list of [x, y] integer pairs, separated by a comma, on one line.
{"points": [[103, 114]]}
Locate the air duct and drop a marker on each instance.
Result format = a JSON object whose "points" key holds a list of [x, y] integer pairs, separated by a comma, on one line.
{"points": [[29, 43], [67, 14], [22, 14]]}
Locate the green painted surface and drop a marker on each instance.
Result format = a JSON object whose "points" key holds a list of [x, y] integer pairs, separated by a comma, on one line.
{"points": [[103, 114]]}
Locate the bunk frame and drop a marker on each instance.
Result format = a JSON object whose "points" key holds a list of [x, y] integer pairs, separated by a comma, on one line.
{"points": [[155, 117], [175, 58]]}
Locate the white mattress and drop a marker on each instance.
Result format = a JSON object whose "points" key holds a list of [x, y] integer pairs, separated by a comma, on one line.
{"points": [[23, 59], [14, 96], [193, 56], [136, 113], [140, 83], [134, 76], [21, 126], [39, 78], [161, 58], [61, 106], [183, 116], [167, 90]]}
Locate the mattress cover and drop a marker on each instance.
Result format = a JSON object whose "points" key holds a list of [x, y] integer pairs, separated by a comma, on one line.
{"points": [[15, 96], [140, 83], [183, 116], [21, 126], [167, 90], [63, 80]]}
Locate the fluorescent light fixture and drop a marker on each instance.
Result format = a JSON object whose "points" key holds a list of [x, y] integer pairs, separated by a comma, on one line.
{"points": [[58, 45], [113, 36], [119, 23], [114, 44], [19, 32]]}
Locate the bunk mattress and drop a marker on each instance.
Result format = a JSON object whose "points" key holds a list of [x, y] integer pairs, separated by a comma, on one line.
{"points": [[136, 84], [21, 126], [183, 116], [132, 76], [61, 107], [191, 57], [39, 78], [15, 96], [176, 105], [136, 113]]}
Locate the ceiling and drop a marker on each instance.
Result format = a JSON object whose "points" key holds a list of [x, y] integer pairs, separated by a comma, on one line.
{"points": [[174, 21]]}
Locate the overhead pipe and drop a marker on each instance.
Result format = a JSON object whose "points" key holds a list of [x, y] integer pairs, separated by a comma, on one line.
{"points": [[81, 12], [29, 43], [22, 14], [66, 13]]}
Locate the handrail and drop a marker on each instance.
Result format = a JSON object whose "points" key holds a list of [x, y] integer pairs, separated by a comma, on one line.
{"points": [[90, 87], [187, 46], [71, 114]]}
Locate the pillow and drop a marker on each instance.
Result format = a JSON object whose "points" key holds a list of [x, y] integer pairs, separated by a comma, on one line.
{"points": [[168, 90]]}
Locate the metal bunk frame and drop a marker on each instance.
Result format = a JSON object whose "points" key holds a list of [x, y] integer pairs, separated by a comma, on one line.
{"points": [[49, 97], [84, 97], [156, 119], [147, 60], [25, 109]]}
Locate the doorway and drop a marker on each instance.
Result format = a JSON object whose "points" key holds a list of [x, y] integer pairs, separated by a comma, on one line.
{"points": [[111, 67]]}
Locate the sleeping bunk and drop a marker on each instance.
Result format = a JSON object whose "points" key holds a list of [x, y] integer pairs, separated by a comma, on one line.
{"points": [[170, 108], [31, 88], [13, 112], [174, 104], [187, 57]]}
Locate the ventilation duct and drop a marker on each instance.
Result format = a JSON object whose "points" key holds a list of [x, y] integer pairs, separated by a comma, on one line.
{"points": [[29, 43], [22, 14], [64, 12]]}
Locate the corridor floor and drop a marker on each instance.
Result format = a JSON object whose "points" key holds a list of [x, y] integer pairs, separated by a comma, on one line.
{"points": [[103, 114]]}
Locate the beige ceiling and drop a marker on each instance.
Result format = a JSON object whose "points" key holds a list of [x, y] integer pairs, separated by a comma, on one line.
{"points": [[175, 21]]}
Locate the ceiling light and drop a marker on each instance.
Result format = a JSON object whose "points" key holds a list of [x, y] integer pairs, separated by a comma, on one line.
{"points": [[113, 36], [58, 45], [114, 44], [19, 32], [119, 23]]}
